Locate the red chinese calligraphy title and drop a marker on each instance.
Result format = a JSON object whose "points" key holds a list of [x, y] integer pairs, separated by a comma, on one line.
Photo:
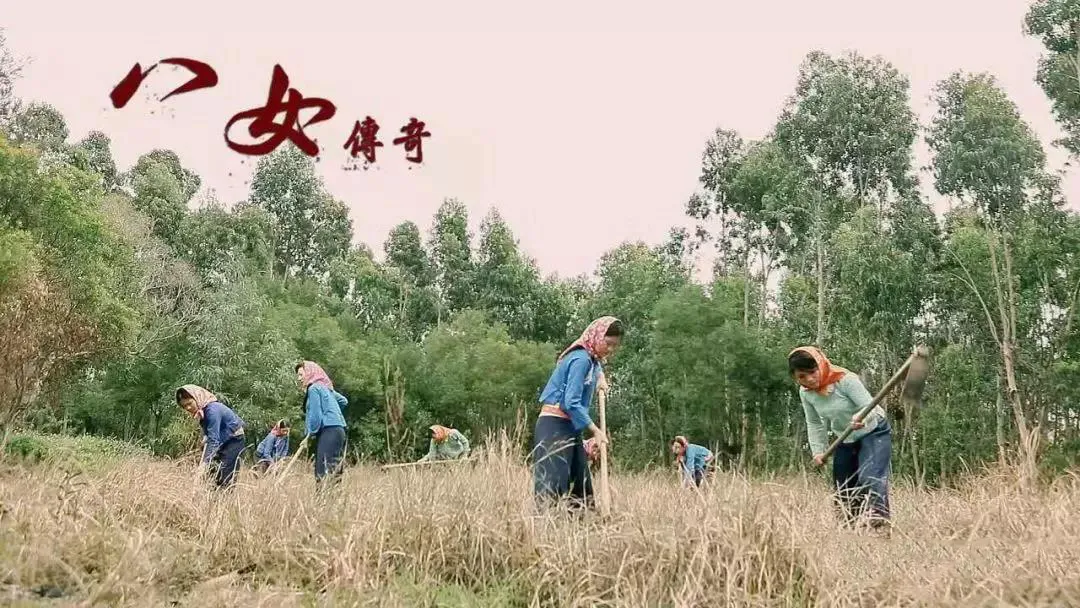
{"points": [[264, 128]]}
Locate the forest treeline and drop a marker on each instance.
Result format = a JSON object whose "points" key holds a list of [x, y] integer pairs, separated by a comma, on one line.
{"points": [[118, 285]]}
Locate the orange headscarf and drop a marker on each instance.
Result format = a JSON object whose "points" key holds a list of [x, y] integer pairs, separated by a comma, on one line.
{"points": [[592, 337], [439, 433], [830, 374], [312, 373]]}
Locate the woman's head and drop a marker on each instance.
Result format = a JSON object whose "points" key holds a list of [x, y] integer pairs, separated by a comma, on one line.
{"points": [[612, 340], [309, 372], [186, 401], [813, 370], [281, 428], [439, 433], [601, 338], [193, 398], [804, 368], [678, 445]]}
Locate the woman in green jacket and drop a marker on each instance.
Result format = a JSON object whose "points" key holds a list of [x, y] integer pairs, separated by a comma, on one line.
{"points": [[831, 397], [446, 444]]}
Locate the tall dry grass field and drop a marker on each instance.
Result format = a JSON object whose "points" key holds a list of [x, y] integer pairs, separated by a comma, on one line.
{"points": [[144, 532]]}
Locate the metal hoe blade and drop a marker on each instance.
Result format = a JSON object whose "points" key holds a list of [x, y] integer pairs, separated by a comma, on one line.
{"points": [[914, 373], [915, 381]]}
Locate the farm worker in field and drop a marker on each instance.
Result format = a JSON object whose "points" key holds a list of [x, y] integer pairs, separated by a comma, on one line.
{"points": [[324, 421], [274, 446], [223, 430], [560, 465], [831, 396], [692, 460], [446, 444]]}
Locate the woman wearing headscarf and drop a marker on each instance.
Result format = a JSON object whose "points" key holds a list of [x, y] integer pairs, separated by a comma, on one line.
{"points": [[560, 466], [324, 421], [446, 444], [692, 459], [831, 397], [274, 447], [223, 430]]}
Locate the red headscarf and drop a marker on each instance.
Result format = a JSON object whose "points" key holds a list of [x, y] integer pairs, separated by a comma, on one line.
{"points": [[312, 373], [592, 337], [830, 374]]}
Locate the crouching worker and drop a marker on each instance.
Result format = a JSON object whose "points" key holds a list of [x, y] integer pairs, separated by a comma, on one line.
{"points": [[325, 423], [223, 431], [592, 452], [274, 446], [446, 444], [831, 396], [560, 465], [692, 460]]}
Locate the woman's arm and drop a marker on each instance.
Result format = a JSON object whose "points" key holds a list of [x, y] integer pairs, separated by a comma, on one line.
{"points": [[815, 428], [575, 390], [314, 412]]}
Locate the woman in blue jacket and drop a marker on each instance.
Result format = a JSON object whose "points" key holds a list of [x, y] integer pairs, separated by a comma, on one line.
{"points": [[693, 460], [324, 420], [274, 447], [560, 464], [223, 430]]}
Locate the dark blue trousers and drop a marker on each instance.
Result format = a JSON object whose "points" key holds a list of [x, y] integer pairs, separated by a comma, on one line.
{"points": [[329, 452], [227, 461], [861, 474], [560, 466]]}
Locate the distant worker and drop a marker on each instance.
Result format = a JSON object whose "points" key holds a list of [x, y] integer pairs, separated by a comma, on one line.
{"points": [[692, 460], [274, 446], [446, 444], [592, 452]]}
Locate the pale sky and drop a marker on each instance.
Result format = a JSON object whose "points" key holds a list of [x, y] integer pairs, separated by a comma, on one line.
{"points": [[583, 123]]}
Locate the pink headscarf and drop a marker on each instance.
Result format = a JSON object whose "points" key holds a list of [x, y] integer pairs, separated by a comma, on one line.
{"points": [[592, 337], [201, 396], [312, 373]]}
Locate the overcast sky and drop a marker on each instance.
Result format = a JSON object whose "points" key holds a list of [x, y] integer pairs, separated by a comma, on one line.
{"points": [[583, 123]]}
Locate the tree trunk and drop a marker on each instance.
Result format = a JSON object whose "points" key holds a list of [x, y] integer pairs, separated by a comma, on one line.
{"points": [[746, 297], [1007, 314], [820, 339], [999, 408]]}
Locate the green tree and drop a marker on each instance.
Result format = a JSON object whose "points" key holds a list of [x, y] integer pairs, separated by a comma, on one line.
{"points": [[162, 188], [506, 283], [451, 251], [39, 125], [66, 304], [93, 154], [849, 120], [311, 228], [987, 157], [1056, 23]]}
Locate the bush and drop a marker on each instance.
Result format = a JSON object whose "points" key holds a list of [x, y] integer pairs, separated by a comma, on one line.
{"points": [[82, 452]]}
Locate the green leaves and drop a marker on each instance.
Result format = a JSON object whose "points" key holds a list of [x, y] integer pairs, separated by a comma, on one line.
{"points": [[984, 153], [1056, 23], [310, 227]]}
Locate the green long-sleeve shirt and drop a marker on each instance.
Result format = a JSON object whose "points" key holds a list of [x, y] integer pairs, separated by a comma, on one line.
{"points": [[454, 446], [833, 412]]}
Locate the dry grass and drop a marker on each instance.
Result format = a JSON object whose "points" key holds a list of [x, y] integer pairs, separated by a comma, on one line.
{"points": [[144, 533]]}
